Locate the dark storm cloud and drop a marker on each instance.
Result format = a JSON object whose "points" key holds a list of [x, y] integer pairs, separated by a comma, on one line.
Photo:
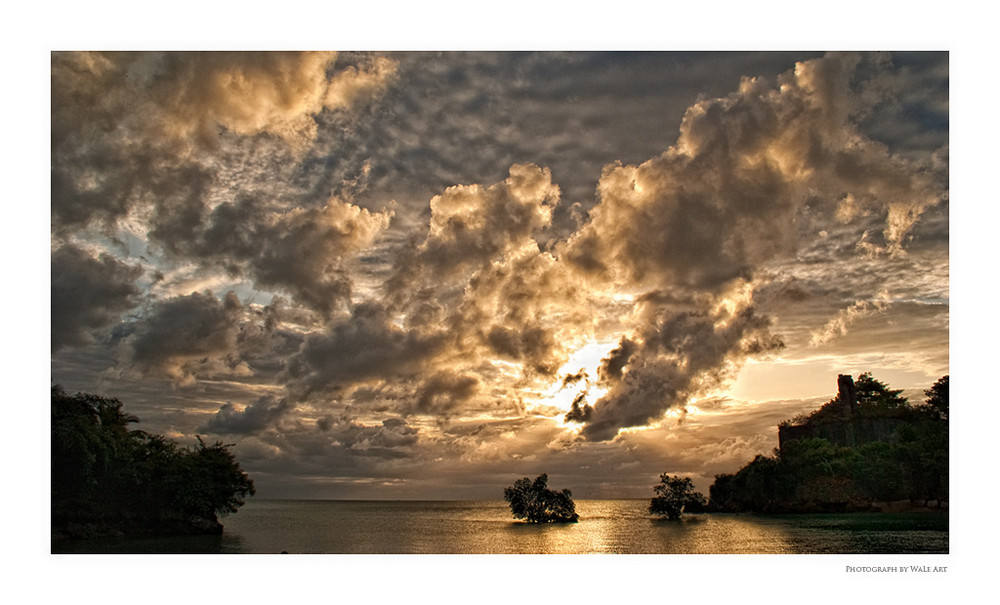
{"points": [[524, 343], [84, 112], [571, 379], [392, 439], [88, 294], [913, 121], [579, 410], [465, 117], [445, 392], [159, 144], [365, 346], [611, 366], [258, 416], [299, 251], [182, 336], [680, 354], [198, 335]]}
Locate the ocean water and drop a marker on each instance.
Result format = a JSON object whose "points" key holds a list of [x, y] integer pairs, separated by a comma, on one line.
{"points": [[487, 527]]}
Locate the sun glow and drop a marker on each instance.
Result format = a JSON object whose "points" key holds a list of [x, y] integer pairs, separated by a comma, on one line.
{"points": [[578, 376]]}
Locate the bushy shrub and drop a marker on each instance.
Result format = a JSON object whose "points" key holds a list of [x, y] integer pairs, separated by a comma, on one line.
{"points": [[534, 502]]}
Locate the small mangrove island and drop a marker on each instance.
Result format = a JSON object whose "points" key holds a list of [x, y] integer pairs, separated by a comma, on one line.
{"points": [[112, 481], [534, 502]]}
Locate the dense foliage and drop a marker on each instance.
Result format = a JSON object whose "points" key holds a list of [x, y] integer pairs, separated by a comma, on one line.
{"points": [[674, 495], [937, 399], [534, 502], [874, 400], [910, 462], [105, 473]]}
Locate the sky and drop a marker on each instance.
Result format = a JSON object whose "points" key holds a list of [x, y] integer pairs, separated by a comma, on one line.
{"points": [[422, 275]]}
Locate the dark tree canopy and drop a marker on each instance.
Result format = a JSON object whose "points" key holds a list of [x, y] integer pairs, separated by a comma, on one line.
{"points": [[107, 474], [876, 395], [534, 502], [937, 398], [674, 495], [874, 399]]}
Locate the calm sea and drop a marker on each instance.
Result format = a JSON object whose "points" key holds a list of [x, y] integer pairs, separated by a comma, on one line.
{"points": [[606, 526]]}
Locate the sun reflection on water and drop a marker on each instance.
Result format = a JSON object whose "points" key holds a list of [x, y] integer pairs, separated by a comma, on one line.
{"points": [[486, 527]]}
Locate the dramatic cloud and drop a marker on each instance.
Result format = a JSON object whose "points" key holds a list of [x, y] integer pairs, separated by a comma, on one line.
{"points": [[260, 415], [838, 325], [301, 251], [363, 347], [681, 354], [88, 294], [185, 335], [444, 268], [445, 392], [193, 97], [200, 336], [150, 144], [733, 194], [480, 272], [471, 226]]}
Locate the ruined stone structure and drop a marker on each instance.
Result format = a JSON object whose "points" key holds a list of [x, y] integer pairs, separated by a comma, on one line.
{"points": [[846, 394], [853, 430]]}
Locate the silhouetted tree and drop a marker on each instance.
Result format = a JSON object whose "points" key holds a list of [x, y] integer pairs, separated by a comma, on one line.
{"points": [[673, 495], [937, 398], [874, 399], [209, 480], [107, 474], [874, 395], [534, 502]]}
